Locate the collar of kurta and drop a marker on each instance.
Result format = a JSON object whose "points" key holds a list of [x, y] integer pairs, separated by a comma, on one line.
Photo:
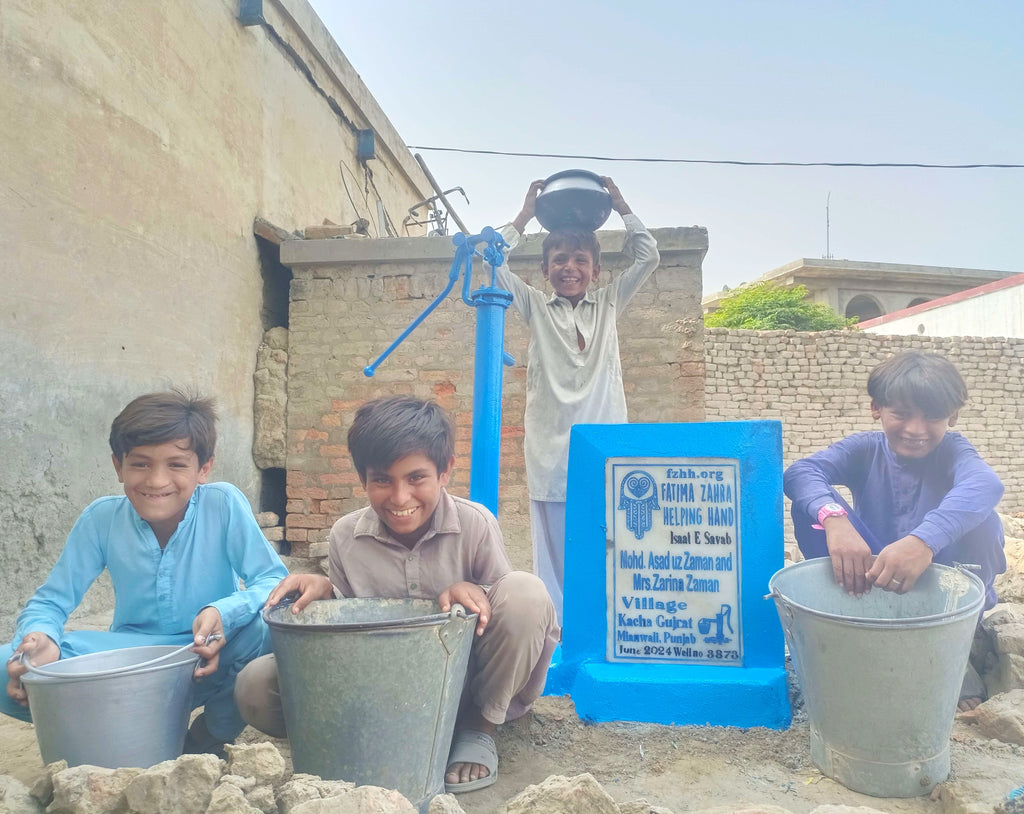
{"points": [[556, 298], [444, 521]]}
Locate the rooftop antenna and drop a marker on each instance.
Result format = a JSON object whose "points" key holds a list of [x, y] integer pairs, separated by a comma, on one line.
{"points": [[828, 252]]}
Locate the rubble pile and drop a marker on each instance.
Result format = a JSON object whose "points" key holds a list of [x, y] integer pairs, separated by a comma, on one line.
{"points": [[253, 780]]}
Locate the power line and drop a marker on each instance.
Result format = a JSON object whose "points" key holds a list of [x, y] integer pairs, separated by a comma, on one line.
{"points": [[732, 163]]}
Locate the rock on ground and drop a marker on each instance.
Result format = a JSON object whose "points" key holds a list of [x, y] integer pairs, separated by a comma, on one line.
{"points": [[581, 794]]}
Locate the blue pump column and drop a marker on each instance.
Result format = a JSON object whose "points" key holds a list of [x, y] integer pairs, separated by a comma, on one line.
{"points": [[491, 304]]}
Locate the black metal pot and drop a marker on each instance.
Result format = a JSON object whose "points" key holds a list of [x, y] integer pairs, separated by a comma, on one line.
{"points": [[573, 199]]}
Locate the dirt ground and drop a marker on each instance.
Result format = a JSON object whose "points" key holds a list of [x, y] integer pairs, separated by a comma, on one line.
{"points": [[680, 768]]}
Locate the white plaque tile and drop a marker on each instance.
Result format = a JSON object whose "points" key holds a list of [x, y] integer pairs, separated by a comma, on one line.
{"points": [[673, 560]]}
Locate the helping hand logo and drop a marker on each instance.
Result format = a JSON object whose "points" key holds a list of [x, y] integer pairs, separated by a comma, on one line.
{"points": [[638, 498]]}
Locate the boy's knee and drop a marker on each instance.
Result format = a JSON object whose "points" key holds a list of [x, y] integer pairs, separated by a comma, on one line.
{"points": [[258, 696], [521, 595]]}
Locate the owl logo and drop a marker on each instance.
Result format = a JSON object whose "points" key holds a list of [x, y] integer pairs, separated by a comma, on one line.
{"points": [[638, 498]]}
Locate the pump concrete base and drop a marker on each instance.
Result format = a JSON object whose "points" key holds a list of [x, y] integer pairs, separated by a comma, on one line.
{"points": [[664, 694]]}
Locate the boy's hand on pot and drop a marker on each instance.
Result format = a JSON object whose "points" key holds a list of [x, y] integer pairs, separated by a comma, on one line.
{"points": [[898, 565], [472, 597], [850, 555], [207, 624], [529, 207], [618, 202], [39, 649], [308, 586]]}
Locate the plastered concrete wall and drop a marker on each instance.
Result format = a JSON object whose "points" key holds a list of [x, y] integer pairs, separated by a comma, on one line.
{"points": [[816, 384], [351, 299], [140, 140]]}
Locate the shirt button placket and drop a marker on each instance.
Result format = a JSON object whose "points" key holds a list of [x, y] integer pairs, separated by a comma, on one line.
{"points": [[412, 574], [165, 584]]}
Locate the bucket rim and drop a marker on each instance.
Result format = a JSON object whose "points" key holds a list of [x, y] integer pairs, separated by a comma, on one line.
{"points": [[168, 661], [973, 608], [430, 620]]}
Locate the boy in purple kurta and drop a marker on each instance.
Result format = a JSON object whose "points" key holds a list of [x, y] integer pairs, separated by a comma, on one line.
{"points": [[920, 494]]}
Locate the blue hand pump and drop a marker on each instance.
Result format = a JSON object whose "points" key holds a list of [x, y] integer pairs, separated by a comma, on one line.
{"points": [[491, 303]]}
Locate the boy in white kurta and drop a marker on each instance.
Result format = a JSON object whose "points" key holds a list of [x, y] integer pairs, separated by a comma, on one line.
{"points": [[573, 372]]}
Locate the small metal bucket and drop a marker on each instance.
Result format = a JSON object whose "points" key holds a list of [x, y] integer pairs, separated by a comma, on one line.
{"points": [[124, 707], [370, 689], [880, 674]]}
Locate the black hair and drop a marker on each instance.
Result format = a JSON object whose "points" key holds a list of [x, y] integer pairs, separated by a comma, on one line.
{"points": [[387, 429], [156, 418], [926, 381]]}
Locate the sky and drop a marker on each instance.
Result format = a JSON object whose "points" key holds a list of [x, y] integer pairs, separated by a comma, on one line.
{"points": [[903, 81]]}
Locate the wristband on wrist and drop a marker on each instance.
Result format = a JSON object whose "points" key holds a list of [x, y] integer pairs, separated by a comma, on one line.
{"points": [[829, 510]]}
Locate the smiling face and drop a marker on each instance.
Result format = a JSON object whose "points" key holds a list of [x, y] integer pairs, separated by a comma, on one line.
{"points": [[406, 494], [910, 433], [159, 480], [570, 271]]}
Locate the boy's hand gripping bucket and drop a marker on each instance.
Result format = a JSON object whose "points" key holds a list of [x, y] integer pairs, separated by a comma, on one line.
{"points": [[880, 674], [124, 707], [370, 689]]}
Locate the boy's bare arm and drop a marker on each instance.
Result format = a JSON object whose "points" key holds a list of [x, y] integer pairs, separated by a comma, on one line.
{"points": [[529, 207], [472, 597]]}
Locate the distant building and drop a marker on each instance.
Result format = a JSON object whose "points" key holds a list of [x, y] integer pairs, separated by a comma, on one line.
{"points": [[993, 309], [868, 290]]}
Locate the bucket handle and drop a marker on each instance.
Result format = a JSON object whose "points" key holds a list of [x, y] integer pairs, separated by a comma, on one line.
{"points": [[783, 605], [113, 671], [449, 628]]}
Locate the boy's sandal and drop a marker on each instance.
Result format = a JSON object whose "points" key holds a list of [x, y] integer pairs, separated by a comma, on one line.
{"points": [[473, 746]]}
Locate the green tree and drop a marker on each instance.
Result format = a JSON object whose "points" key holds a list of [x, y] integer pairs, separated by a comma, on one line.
{"points": [[770, 307]]}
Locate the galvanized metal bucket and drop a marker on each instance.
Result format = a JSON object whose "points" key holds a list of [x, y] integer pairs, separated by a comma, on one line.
{"points": [[371, 688], [880, 674], [124, 707]]}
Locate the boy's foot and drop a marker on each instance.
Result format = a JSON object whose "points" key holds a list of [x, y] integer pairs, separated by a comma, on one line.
{"points": [[472, 762], [972, 690], [199, 741]]}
